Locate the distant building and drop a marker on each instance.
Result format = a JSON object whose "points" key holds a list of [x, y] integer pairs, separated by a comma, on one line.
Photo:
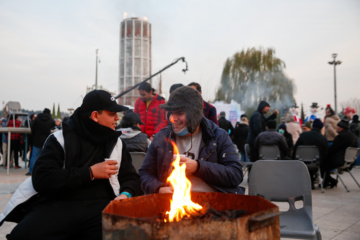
{"points": [[135, 56]]}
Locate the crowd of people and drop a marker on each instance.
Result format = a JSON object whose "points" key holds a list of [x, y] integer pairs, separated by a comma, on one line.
{"points": [[80, 164]]}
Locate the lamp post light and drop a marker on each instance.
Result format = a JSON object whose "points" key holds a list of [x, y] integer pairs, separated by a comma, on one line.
{"points": [[334, 62]]}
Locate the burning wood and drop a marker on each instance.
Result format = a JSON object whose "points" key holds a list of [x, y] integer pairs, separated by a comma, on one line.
{"points": [[207, 212]]}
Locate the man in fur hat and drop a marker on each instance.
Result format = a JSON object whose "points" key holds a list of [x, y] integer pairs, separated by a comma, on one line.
{"points": [[212, 162]]}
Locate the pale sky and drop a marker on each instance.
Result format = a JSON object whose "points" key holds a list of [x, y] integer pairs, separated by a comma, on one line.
{"points": [[47, 47]]}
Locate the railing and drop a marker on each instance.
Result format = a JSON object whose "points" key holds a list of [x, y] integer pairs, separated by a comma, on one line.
{"points": [[10, 130]]}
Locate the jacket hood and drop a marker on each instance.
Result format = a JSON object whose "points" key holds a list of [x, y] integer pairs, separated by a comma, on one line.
{"points": [[128, 132], [262, 104]]}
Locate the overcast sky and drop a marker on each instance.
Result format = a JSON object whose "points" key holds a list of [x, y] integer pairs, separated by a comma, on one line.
{"points": [[47, 47]]}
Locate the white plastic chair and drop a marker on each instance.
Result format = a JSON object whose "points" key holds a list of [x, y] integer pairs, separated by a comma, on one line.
{"points": [[286, 181], [137, 159], [351, 154]]}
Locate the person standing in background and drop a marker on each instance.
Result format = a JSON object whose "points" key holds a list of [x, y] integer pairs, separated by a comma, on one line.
{"points": [[41, 129], [226, 124], [209, 110], [240, 135], [330, 123], [15, 144], [148, 107], [257, 125]]}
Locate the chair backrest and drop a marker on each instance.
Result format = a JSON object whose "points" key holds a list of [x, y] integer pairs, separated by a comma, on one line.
{"points": [[307, 153], [285, 181], [269, 152], [247, 151], [351, 154], [137, 159]]}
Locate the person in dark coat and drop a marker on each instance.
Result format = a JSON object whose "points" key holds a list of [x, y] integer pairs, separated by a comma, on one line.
{"points": [[313, 137], [257, 125], [240, 135], [131, 134], [209, 110], [40, 130], [336, 153], [80, 169], [271, 137], [226, 124], [289, 140], [212, 162]]}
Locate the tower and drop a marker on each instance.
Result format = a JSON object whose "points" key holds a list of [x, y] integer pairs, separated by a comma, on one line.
{"points": [[135, 56]]}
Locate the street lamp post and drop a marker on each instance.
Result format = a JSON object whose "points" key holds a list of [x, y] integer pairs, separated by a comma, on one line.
{"points": [[96, 69], [334, 62]]}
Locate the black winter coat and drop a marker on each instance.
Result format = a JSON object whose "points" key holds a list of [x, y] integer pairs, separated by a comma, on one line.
{"points": [[41, 129], [86, 143], [336, 154], [313, 137], [240, 135], [257, 123], [226, 125]]}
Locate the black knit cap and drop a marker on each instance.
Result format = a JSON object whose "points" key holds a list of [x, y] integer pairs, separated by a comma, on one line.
{"points": [[187, 99], [100, 100], [344, 123]]}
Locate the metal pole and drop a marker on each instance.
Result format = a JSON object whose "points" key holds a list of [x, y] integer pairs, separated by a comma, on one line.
{"points": [[334, 62], [8, 152], [184, 70], [335, 87], [97, 50]]}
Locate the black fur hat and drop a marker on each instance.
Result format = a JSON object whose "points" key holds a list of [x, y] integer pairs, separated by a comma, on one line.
{"points": [[190, 101]]}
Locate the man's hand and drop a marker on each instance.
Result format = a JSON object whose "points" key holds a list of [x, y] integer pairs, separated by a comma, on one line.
{"points": [[167, 189], [191, 165], [104, 169], [276, 112]]}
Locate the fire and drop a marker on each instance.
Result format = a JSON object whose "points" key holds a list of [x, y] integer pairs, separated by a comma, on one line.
{"points": [[181, 204]]}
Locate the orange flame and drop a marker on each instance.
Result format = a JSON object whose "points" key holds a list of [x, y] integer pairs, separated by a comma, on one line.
{"points": [[181, 204]]}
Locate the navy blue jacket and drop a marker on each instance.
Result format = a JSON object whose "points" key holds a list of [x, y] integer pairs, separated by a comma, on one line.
{"points": [[219, 164]]}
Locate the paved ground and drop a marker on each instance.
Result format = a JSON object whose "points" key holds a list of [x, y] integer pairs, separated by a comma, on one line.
{"points": [[336, 212]]}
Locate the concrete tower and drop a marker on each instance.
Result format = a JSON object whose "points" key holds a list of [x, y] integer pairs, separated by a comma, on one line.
{"points": [[135, 56]]}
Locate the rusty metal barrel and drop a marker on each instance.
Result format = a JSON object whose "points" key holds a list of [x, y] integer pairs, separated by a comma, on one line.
{"points": [[138, 218]]}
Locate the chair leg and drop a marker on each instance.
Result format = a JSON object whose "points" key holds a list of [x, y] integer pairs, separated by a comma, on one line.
{"points": [[317, 232], [338, 177], [354, 178], [321, 181]]}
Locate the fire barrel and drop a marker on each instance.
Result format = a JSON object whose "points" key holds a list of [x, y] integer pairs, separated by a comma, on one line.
{"points": [[139, 218]]}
